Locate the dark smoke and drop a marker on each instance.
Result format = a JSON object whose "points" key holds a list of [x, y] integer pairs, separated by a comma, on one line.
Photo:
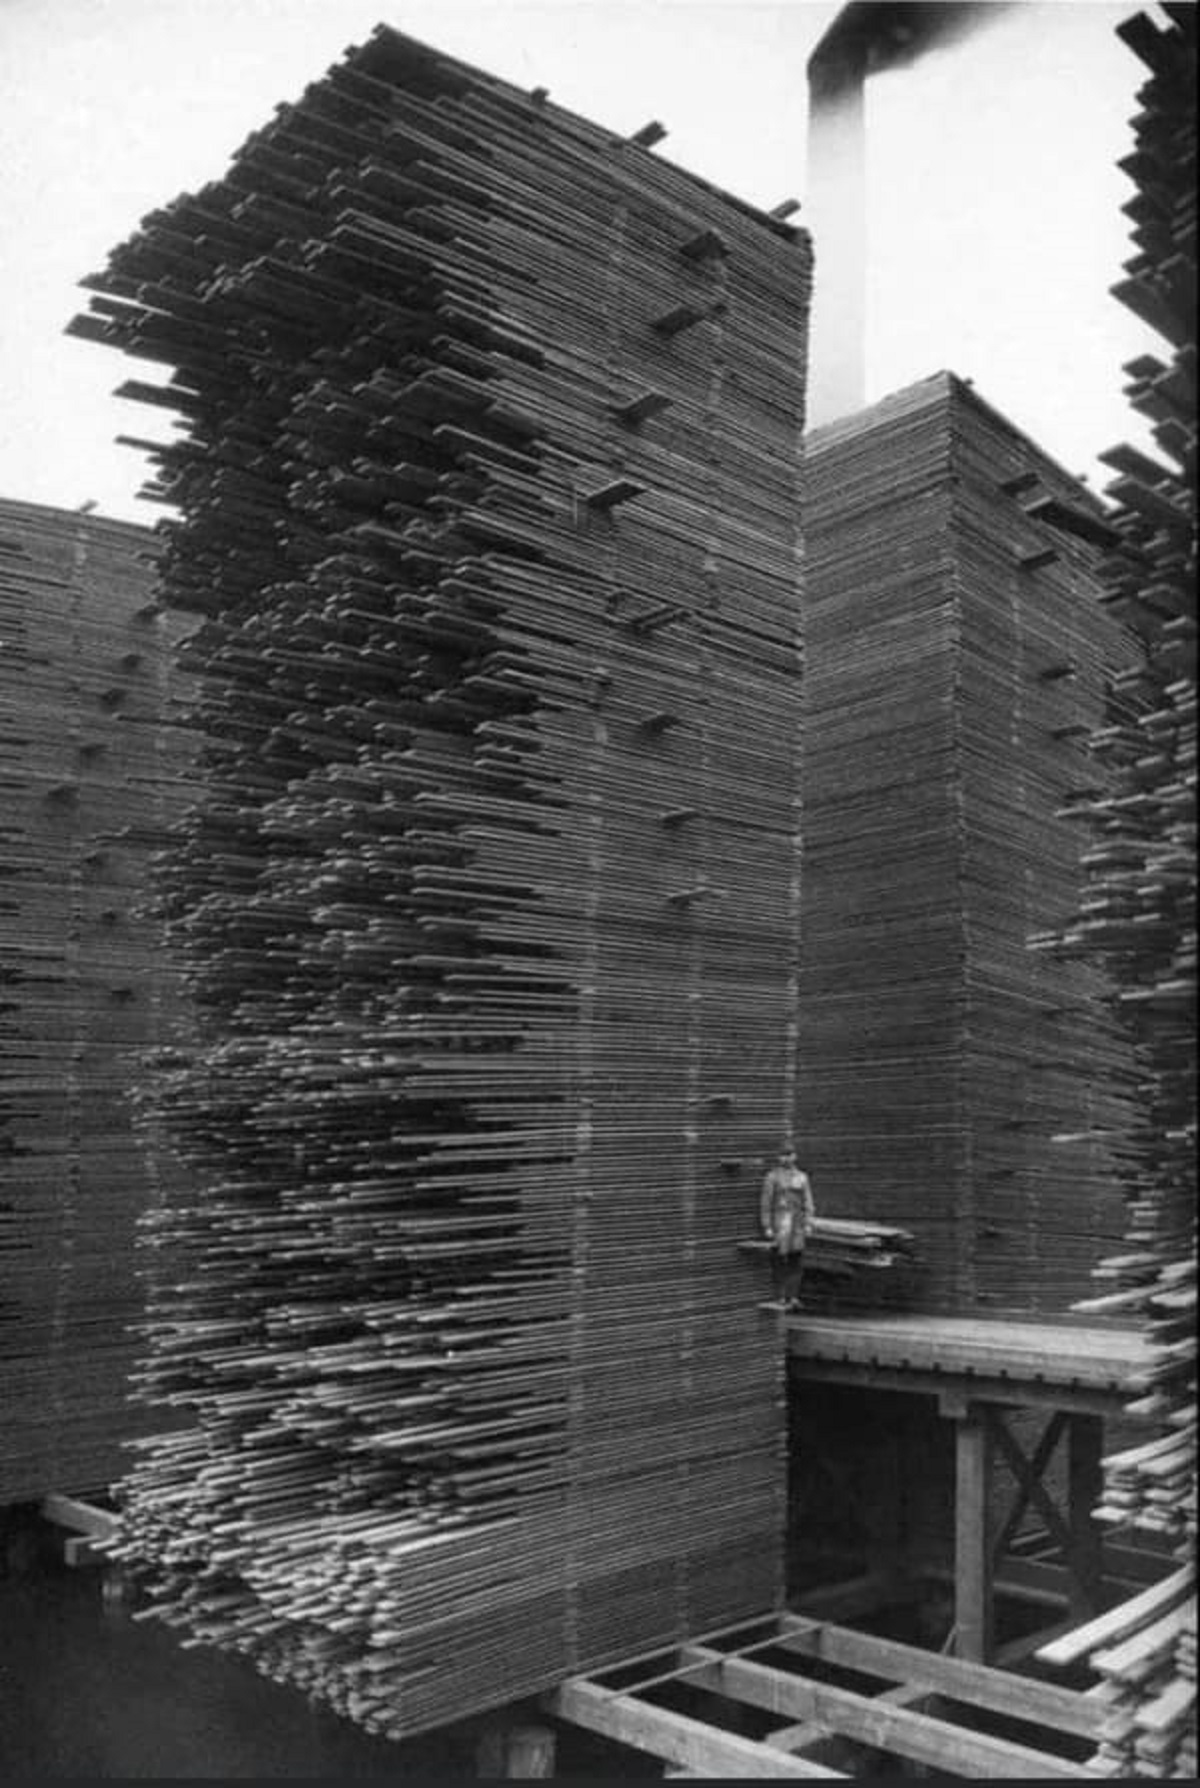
{"points": [[870, 36]]}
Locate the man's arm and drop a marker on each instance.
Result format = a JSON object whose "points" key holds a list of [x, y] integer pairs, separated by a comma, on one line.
{"points": [[810, 1203], [766, 1207]]}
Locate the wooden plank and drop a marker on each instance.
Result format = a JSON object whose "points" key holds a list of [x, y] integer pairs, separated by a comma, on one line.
{"points": [[978, 1684], [674, 1736], [1015, 1651], [1121, 1620], [80, 1517], [797, 1736], [885, 1727]]}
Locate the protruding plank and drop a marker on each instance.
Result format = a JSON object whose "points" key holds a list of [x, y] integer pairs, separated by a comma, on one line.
{"points": [[684, 316], [706, 245], [608, 496], [640, 408]]}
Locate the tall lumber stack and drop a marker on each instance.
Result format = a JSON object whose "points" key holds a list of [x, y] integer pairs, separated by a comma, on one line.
{"points": [[955, 653], [87, 764], [489, 903], [1138, 913]]}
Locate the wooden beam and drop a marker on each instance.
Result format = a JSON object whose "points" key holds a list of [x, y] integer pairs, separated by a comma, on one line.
{"points": [[972, 1537], [983, 1387], [1030, 1470], [884, 1727], [1085, 1484], [673, 1736], [1031, 1485], [1021, 1581], [978, 1685], [797, 1737], [79, 1517]]}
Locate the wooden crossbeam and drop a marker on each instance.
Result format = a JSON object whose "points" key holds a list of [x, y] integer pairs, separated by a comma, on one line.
{"points": [[1032, 1488], [1015, 1391], [1031, 1469], [885, 1727], [796, 1736], [678, 1738], [978, 1685]]}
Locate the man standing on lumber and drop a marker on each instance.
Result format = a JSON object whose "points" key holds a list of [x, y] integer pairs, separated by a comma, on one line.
{"points": [[786, 1211]]}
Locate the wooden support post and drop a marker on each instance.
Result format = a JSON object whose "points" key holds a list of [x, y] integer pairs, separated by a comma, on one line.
{"points": [[972, 1530], [515, 1753], [1085, 1477]]}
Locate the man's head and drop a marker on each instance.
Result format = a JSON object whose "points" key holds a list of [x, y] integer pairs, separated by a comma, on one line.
{"points": [[787, 1156]]}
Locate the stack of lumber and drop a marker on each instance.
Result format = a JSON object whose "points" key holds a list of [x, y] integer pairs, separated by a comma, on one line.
{"points": [[88, 772], [1145, 1651], [955, 653], [1151, 1486], [1138, 914], [488, 493], [839, 1250]]}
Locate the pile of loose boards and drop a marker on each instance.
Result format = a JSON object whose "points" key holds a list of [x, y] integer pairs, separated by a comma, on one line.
{"points": [[488, 907], [1138, 918]]}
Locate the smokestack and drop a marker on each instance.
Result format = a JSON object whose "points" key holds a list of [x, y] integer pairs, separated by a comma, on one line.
{"points": [[866, 37]]}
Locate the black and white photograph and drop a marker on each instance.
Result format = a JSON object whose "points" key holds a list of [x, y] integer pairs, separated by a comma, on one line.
{"points": [[597, 890]]}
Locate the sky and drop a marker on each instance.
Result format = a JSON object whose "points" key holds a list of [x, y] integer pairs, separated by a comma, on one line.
{"points": [[993, 198]]}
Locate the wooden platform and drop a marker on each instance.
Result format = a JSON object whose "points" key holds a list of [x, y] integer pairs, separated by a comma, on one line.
{"points": [[830, 1697], [1061, 1365], [1071, 1375]]}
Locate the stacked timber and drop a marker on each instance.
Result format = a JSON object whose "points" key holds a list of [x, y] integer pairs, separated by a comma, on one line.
{"points": [[839, 1249], [89, 773], [488, 905], [1138, 913], [1145, 1652], [955, 654]]}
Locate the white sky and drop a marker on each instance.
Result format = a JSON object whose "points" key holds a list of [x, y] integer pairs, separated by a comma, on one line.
{"points": [[995, 225]]}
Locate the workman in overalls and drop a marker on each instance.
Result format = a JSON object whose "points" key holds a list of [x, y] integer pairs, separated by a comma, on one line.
{"points": [[786, 1212]]}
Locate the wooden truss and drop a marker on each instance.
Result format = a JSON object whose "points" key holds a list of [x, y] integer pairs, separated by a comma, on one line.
{"points": [[986, 1533]]}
